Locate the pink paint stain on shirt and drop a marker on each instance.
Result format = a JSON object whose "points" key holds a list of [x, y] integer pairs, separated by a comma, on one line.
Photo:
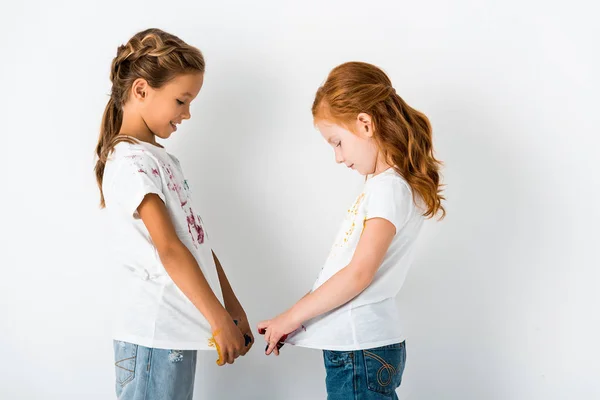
{"points": [[194, 227]]}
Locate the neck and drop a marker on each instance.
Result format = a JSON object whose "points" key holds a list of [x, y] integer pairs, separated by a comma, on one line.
{"points": [[135, 126], [381, 165]]}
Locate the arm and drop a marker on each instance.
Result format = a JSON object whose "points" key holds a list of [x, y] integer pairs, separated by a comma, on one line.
{"points": [[233, 306], [232, 303], [345, 285], [182, 267]]}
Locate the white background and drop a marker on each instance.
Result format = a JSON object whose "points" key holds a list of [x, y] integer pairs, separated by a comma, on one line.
{"points": [[502, 300]]}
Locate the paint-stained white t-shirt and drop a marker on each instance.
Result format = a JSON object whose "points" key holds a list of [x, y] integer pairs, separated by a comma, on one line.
{"points": [[371, 319], [150, 310]]}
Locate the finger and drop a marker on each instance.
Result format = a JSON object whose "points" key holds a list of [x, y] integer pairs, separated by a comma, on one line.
{"points": [[270, 347], [220, 360], [267, 340], [276, 351], [273, 340], [262, 327], [243, 350], [230, 357]]}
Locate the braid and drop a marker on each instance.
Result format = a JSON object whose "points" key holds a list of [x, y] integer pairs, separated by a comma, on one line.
{"points": [[153, 55]]}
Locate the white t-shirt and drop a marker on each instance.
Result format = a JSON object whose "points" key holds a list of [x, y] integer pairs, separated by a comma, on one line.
{"points": [[150, 310], [370, 319]]}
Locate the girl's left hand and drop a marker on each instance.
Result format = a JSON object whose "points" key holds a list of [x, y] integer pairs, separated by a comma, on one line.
{"points": [[242, 322], [276, 328]]}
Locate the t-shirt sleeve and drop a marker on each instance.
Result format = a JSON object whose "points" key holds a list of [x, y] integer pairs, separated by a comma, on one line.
{"points": [[136, 176], [389, 199]]}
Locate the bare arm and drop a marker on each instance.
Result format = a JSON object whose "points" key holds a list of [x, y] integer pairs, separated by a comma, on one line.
{"points": [[233, 306], [182, 267], [342, 287], [354, 278], [232, 303]]}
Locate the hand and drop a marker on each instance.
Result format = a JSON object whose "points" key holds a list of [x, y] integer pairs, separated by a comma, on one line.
{"points": [[276, 331], [241, 321], [228, 340]]}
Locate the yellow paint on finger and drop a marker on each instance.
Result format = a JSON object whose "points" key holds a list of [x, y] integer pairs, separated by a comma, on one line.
{"points": [[213, 343]]}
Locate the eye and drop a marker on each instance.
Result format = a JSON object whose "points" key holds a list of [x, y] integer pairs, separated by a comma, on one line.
{"points": [[339, 144], [180, 102]]}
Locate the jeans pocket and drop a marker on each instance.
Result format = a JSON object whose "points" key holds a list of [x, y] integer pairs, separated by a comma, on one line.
{"points": [[339, 374], [337, 358], [125, 360], [384, 367]]}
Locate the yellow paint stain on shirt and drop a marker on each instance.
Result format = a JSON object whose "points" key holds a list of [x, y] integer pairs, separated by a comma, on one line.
{"points": [[352, 213]]}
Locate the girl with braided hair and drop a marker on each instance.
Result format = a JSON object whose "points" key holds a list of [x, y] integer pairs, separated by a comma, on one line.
{"points": [[172, 295]]}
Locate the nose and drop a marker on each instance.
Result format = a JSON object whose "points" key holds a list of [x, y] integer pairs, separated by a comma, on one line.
{"points": [[186, 114], [339, 158]]}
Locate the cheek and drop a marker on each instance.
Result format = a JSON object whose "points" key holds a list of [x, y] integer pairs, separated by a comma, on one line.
{"points": [[373, 155], [367, 154], [164, 115]]}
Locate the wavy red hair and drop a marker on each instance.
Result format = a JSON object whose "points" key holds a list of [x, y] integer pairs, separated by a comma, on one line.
{"points": [[402, 133]]}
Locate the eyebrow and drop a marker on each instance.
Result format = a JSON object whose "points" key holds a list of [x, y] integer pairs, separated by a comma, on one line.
{"points": [[188, 94]]}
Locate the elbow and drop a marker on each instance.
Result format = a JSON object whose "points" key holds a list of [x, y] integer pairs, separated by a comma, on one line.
{"points": [[170, 253], [361, 279]]}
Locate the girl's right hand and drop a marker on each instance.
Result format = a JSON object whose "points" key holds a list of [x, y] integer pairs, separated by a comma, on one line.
{"points": [[229, 339]]}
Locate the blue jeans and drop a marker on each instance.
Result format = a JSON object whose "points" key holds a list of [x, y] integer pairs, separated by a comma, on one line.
{"points": [[372, 374], [144, 373]]}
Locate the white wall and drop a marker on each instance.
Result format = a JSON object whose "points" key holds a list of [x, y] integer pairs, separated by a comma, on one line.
{"points": [[502, 301]]}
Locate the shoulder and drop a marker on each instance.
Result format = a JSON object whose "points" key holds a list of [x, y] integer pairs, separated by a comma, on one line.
{"points": [[129, 162], [132, 155], [389, 183], [175, 160]]}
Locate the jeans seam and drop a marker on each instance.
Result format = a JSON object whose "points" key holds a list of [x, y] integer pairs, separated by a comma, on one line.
{"points": [[148, 371], [356, 378]]}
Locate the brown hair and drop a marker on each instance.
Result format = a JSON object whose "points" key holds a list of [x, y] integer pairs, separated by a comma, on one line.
{"points": [[153, 55], [402, 133]]}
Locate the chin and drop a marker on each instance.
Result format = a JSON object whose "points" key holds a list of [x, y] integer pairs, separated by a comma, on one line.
{"points": [[164, 135]]}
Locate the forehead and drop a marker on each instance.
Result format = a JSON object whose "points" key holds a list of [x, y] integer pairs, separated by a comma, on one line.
{"points": [[330, 130], [185, 84]]}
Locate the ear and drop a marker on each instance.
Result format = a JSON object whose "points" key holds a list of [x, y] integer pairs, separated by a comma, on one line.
{"points": [[364, 124], [139, 89]]}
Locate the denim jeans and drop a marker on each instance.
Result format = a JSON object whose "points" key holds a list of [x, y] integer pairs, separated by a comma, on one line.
{"points": [[372, 374], [144, 373]]}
